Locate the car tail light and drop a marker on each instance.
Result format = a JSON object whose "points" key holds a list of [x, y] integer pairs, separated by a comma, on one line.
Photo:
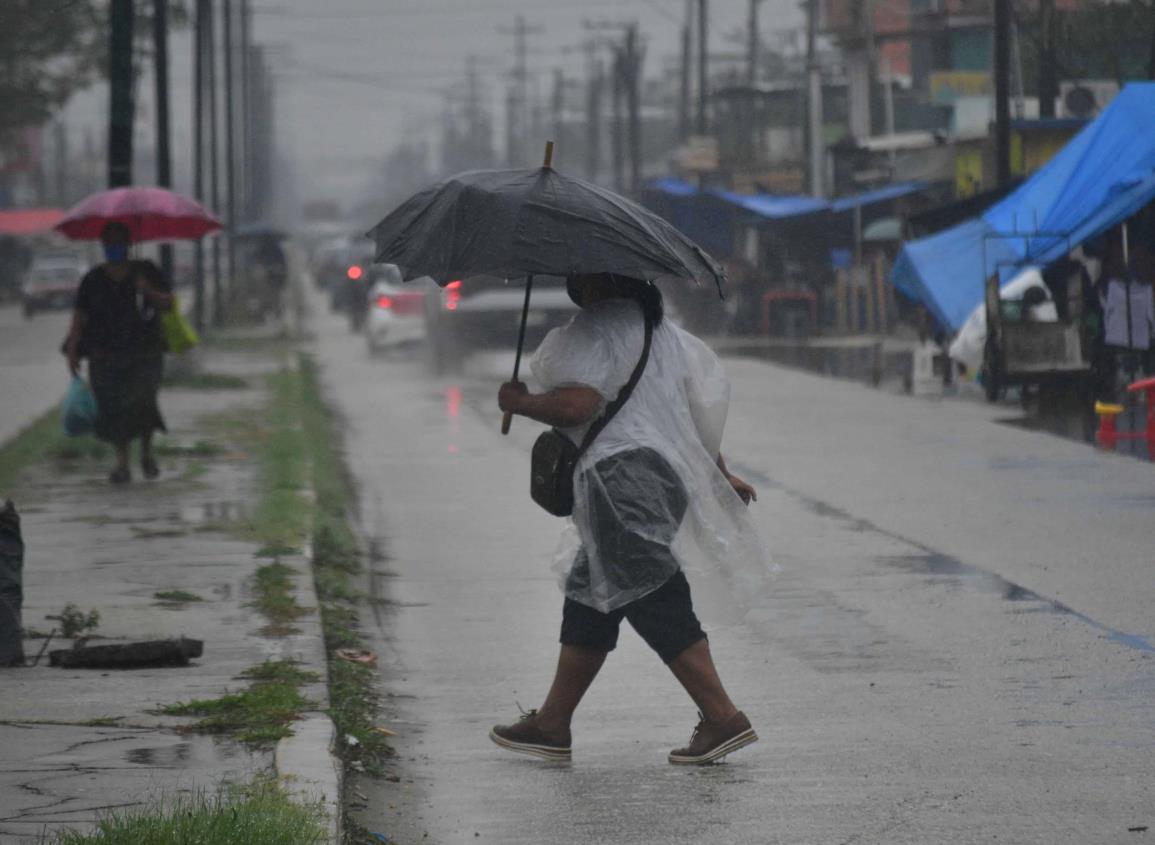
{"points": [[453, 295], [454, 285], [354, 272], [384, 302]]}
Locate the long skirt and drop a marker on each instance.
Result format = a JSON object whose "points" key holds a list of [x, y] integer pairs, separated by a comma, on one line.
{"points": [[125, 385]]}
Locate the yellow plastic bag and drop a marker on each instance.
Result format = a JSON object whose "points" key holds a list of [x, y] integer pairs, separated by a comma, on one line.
{"points": [[178, 334]]}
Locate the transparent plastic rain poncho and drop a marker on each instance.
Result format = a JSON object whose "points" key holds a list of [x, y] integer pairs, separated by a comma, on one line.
{"points": [[649, 496]]}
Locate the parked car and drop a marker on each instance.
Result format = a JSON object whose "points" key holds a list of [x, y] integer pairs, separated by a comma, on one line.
{"points": [[396, 310], [485, 312], [51, 282]]}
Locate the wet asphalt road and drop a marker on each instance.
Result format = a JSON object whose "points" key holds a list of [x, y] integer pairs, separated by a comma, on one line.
{"points": [[33, 373], [958, 649]]}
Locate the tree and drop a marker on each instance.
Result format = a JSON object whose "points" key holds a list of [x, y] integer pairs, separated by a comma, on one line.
{"points": [[49, 50]]}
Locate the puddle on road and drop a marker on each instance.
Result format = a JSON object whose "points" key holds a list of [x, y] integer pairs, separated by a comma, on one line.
{"points": [[944, 566]]}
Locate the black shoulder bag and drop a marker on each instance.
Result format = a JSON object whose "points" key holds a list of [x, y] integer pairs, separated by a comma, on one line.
{"points": [[555, 456]]}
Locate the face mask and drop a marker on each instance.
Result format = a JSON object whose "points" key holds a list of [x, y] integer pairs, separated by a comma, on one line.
{"points": [[114, 253]]}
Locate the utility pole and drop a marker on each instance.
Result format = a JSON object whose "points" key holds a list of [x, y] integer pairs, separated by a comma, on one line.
{"points": [[703, 64], [1003, 91], [1048, 78], [163, 148], [511, 126], [617, 151], [557, 103], [214, 155], [753, 45], [860, 69], [593, 115], [246, 189], [121, 109], [199, 158], [632, 65], [687, 61], [520, 88], [814, 134], [230, 141]]}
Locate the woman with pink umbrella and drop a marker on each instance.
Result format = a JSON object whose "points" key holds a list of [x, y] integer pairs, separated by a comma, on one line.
{"points": [[116, 322]]}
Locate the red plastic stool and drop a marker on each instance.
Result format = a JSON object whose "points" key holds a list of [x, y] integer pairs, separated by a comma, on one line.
{"points": [[1147, 386]]}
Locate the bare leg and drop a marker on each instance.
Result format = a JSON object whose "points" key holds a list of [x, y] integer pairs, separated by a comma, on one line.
{"points": [[694, 668], [576, 670], [122, 455]]}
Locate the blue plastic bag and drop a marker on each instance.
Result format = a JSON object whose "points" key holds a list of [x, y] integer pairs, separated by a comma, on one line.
{"points": [[78, 414]]}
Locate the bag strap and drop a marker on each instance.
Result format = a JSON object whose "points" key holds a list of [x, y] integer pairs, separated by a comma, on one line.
{"points": [[623, 394]]}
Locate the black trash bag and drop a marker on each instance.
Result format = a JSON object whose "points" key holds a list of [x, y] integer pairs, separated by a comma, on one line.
{"points": [[11, 587]]}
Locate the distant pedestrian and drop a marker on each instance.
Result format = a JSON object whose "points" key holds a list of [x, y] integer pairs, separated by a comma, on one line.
{"points": [[116, 325], [653, 502], [1128, 306]]}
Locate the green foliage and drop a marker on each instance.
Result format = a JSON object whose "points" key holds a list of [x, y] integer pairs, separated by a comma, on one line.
{"points": [[28, 447], [204, 381], [273, 587], [74, 622], [1092, 40], [260, 814], [285, 671], [176, 597], [259, 715], [51, 49]]}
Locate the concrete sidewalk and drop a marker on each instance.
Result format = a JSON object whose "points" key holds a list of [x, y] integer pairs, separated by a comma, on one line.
{"points": [[77, 742]]}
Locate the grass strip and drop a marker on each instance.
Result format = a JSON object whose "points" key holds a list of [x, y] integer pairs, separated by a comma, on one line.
{"points": [[27, 447], [274, 597], [258, 715], [204, 381], [259, 814], [176, 596]]}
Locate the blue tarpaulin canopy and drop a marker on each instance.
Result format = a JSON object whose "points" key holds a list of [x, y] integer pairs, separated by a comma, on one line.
{"points": [[1103, 176], [773, 206], [886, 192]]}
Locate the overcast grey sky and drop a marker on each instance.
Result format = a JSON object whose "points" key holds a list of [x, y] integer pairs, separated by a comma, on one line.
{"points": [[406, 53], [356, 77]]}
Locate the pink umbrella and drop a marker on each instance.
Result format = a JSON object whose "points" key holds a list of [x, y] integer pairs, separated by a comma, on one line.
{"points": [[152, 214]]}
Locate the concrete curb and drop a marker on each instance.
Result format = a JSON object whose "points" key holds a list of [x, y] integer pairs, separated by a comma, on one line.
{"points": [[307, 763]]}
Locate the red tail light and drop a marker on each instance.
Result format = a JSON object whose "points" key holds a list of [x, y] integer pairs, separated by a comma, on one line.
{"points": [[384, 302], [453, 295], [354, 272]]}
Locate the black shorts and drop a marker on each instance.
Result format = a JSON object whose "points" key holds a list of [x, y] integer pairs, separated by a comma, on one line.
{"points": [[665, 619]]}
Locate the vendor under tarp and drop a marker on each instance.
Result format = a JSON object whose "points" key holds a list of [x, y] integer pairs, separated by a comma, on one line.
{"points": [[1102, 177]]}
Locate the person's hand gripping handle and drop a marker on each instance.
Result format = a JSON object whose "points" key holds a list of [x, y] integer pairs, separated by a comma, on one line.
{"points": [[507, 420]]}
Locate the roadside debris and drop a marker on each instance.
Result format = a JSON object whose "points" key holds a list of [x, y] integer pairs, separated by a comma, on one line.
{"points": [[137, 655], [357, 655]]}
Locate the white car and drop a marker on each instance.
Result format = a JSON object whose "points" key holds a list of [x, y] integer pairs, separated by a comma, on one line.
{"points": [[485, 311], [396, 309]]}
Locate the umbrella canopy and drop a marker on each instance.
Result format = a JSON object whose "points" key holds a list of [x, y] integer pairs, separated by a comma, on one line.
{"points": [[151, 214], [514, 223]]}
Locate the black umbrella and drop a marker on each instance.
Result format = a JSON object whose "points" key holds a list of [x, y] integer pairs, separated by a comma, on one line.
{"points": [[514, 223]]}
